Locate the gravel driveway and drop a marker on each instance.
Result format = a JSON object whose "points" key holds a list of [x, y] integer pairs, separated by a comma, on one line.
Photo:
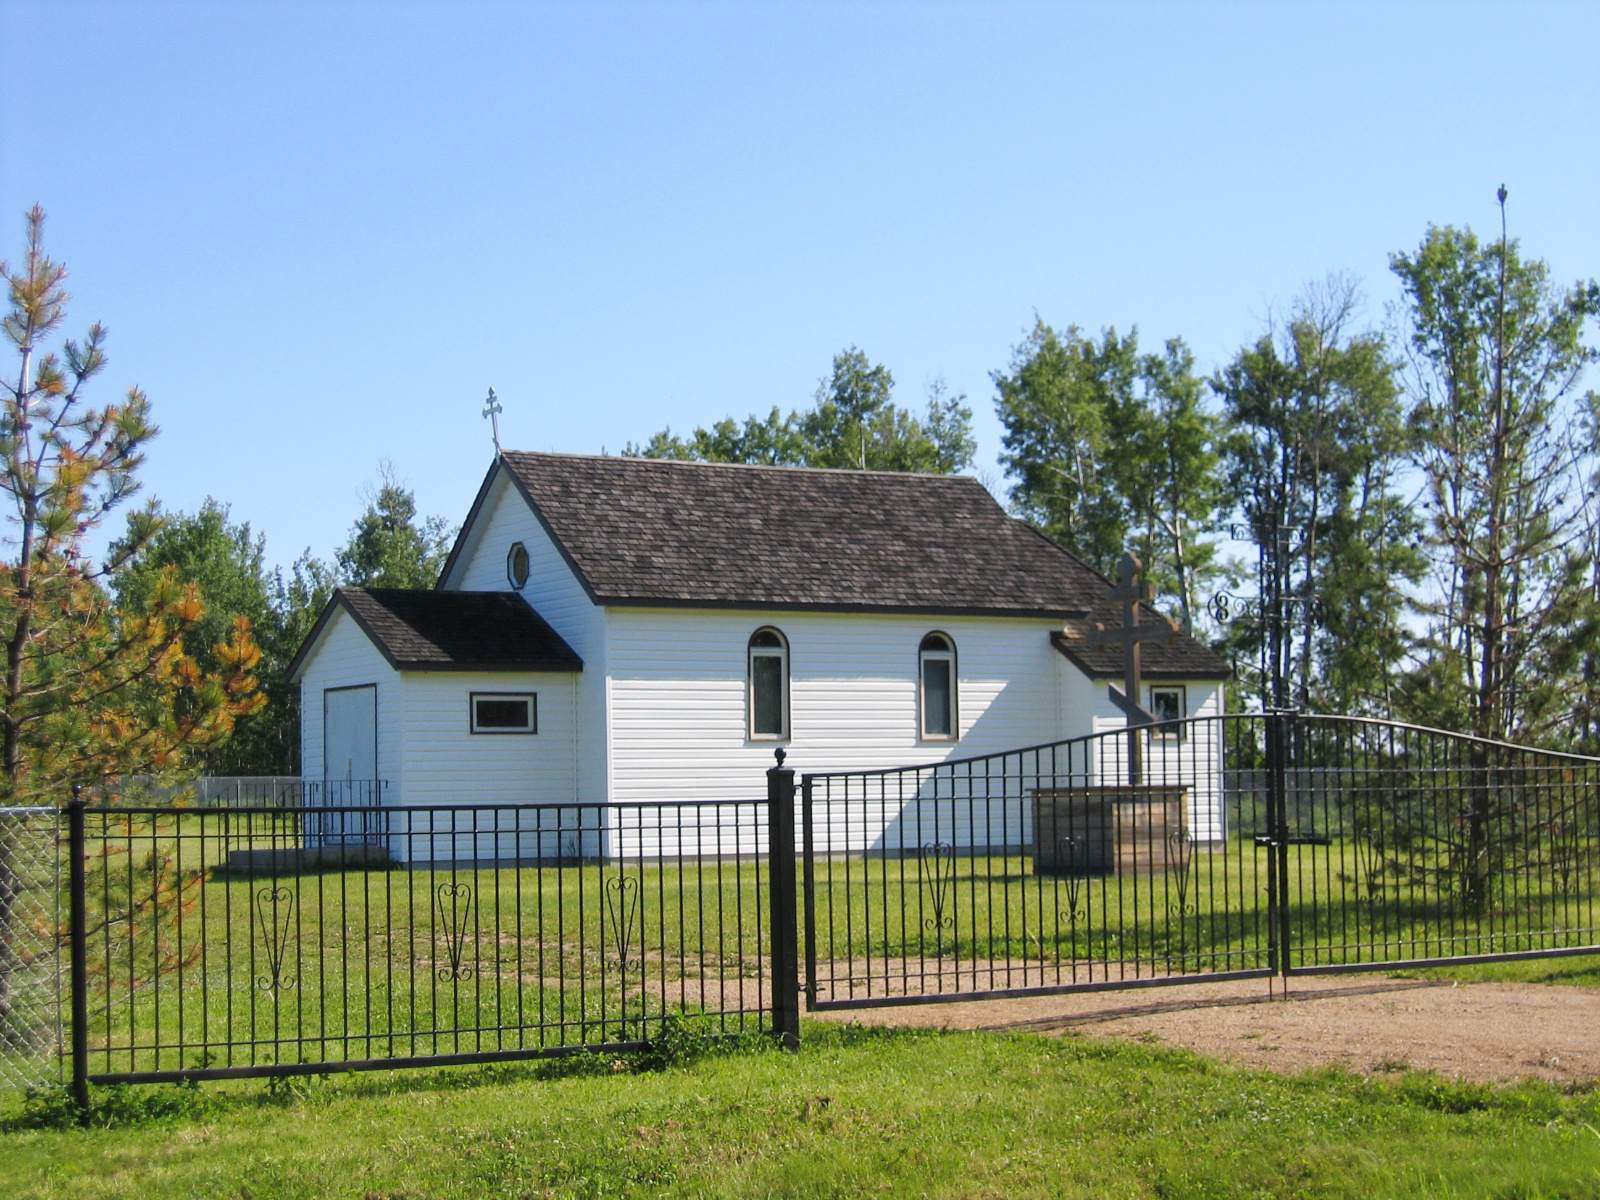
{"points": [[1480, 1031]]}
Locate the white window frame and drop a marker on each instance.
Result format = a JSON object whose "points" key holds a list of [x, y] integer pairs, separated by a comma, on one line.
{"points": [[925, 656], [511, 570], [532, 698], [781, 653], [1182, 692]]}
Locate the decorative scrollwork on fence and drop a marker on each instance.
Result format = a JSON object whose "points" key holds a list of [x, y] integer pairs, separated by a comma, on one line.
{"points": [[1225, 606], [1565, 852], [455, 910], [936, 872], [275, 911], [1180, 869], [1371, 858], [1071, 855], [622, 904]]}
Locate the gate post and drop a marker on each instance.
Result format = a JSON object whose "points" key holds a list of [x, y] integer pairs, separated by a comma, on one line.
{"points": [[784, 922], [1278, 917], [78, 942], [809, 879]]}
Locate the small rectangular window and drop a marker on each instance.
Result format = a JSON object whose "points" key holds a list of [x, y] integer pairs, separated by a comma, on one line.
{"points": [[505, 713], [1169, 704]]}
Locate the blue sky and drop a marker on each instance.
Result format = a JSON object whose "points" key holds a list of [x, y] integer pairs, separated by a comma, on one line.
{"points": [[319, 232]]}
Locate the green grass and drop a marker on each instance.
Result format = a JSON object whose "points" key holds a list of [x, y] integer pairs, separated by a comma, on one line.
{"points": [[1581, 970], [858, 1112]]}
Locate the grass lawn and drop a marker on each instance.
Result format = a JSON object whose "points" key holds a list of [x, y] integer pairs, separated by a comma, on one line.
{"points": [[858, 1112], [1580, 970]]}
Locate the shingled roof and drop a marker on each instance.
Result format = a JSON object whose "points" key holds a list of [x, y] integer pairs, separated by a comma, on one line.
{"points": [[1181, 658], [448, 631], [662, 533]]}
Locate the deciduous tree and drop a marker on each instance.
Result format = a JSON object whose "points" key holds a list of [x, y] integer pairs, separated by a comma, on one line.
{"points": [[1065, 402], [853, 422], [1166, 466], [1315, 442], [226, 560], [387, 547]]}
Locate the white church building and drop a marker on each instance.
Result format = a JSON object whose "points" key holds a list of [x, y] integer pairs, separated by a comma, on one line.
{"points": [[615, 629]]}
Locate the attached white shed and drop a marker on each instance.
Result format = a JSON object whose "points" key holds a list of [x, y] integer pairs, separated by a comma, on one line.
{"points": [[438, 697]]}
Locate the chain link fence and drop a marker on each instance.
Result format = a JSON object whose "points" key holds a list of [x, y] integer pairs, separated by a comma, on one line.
{"points": [[30, 947], [211, 791]]}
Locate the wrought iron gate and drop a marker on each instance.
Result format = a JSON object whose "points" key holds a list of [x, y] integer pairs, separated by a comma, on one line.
{"points": [[1252, 845]]}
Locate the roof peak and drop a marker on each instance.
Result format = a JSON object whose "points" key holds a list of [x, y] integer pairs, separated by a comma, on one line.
{"points": [[696, 462]]}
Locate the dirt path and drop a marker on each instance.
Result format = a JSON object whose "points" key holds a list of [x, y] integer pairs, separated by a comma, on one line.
{"points": [[1481, 1031]]}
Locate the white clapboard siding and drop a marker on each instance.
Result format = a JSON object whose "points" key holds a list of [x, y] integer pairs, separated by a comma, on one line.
{"points": [[558, 597], [344, 657], [678, 701], [988, 805], [679, 680], [446, 763], [1197, 761]]}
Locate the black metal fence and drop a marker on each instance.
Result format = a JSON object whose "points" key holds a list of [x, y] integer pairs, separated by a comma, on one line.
{"points": [[1245, 846], [296, 939], [216, 943]]}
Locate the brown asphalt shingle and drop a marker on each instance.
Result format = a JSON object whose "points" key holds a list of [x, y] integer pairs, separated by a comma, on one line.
{"points": [[653, 532], [660, 533], [1181, 658]]}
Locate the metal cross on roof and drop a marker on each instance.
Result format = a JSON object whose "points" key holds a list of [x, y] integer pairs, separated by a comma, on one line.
{"points": [[492, 410], [1131, 635]]}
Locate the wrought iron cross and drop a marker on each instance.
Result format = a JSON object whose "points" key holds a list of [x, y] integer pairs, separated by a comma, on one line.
{"points": [[1131, 635], [492, 410]]}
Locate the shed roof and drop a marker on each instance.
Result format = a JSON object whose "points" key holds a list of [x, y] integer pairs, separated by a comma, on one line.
{"points": [[1181, 658], [448, 631]]}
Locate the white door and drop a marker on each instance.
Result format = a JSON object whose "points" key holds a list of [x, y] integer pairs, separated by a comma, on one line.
{"points": [[350, 745]]}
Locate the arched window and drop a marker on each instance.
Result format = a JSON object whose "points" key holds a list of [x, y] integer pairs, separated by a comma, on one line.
{"points": [[769, 685], [936, 674]]}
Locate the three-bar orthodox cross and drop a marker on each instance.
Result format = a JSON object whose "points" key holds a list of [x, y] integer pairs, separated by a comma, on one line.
{"points": [[492, 410], [1131, 635]]}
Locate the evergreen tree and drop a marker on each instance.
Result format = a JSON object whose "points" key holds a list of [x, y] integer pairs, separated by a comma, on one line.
{"points": [[91, 689], [1497, 355]]}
